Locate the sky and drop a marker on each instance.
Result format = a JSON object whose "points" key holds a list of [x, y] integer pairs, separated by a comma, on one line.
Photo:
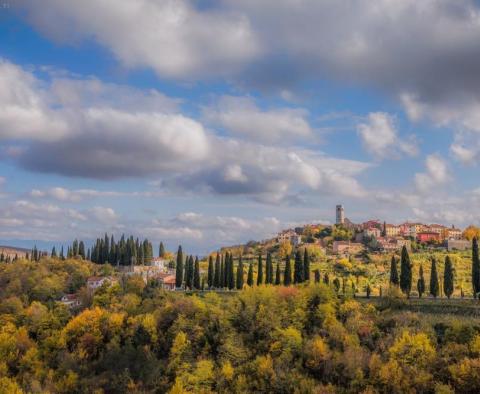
{"points": [[211, 123]]}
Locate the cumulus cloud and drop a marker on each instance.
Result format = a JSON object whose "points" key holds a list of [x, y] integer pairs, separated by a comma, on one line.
{"points": [[270, 174], [106, 139], [242, 117], [380, 137], [436, 174], [80, 128], [174, 38]]}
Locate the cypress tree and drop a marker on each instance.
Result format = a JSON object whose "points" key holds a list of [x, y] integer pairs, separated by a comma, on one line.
{"points": [[179, 268], [448, 277], [210, 272], [81, 250], [54, 252], [140, 257], [161, 250], [269, 269], [298, 268], [62, 256], [112, 258], [393, 272], [216, 279], [277, 275], [222, 271], [240, 274], [317, 276], [475, 268], [260, 270], [434, 279], [306, 265], [250, 274], [226, 261], [196, 275], [420, 282], [231, 274], [287, 275], [189, 273], [405, 272]]}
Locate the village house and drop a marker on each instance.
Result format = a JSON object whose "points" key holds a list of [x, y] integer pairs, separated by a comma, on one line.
{"points": [[454, 233], [391, 230], [346, 247], [70, 300], [289, 236], [372, 232], [393, 244], [94, 282], [159, 262], [428, 236]]}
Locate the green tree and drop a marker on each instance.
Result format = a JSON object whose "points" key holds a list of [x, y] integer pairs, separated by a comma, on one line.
{"points": [[196, 275], [287, 274], [278, 279], [210, 272], [216, 279], [306, 265], [231, 274], [53, 254], [161, 250], [475, 268], [420, 282], [260, 270], [434, 279], [189, 273], [394, 272], [240, 274], [405, 272], [179, 268], [298, 268], [222, 271], [269, 269], [448, 277], [250, 274], [317, 275]]}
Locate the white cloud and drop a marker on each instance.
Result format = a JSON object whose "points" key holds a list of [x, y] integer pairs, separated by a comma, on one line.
{"points": [[85, 130], [241, 117], [104, 215], [380, 137], [174, 38], [436, 174]]}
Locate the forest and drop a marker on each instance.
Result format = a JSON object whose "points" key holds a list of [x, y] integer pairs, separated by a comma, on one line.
{"points": [[135, 337]]}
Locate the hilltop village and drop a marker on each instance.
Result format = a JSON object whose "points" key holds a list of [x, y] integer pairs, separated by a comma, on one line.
{"points": [[346, 238]]}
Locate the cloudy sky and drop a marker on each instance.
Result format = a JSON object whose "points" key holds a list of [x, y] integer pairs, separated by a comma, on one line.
{"points": [[215, 122]]}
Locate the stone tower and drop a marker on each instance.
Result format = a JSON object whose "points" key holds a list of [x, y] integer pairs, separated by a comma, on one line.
{"points": [[340, 215]]}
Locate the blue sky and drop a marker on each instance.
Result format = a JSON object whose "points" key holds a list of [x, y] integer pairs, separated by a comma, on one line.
{"points": [[213, 123]]}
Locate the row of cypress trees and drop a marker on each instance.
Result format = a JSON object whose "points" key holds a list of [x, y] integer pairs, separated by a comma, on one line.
{"points": [[405, 278], [222, 275]]}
